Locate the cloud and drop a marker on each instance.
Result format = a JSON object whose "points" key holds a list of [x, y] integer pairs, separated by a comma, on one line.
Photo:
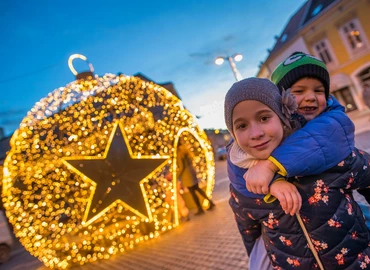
{"points": [[203, 54], [229, 37]]}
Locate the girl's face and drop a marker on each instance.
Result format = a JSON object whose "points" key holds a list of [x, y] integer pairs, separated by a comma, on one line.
{"points": [[310, 96], [257, 128]]}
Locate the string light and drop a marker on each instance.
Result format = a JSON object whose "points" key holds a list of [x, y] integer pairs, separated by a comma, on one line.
{"points": [[47, 191]]}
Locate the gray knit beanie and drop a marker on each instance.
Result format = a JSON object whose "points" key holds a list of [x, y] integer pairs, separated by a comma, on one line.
{"points": [[262, 90]]}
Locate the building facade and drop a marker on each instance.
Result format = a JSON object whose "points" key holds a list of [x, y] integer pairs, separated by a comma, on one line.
{"points": [[338, 32]]}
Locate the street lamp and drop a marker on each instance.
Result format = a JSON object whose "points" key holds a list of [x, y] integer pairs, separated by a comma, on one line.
{"points": [[237, 57]]}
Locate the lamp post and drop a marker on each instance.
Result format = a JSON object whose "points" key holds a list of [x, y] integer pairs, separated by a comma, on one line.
{"points": [[237, 57]]}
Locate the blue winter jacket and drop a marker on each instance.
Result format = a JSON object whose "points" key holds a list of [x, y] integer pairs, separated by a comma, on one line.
{"points": [[320, 145]]}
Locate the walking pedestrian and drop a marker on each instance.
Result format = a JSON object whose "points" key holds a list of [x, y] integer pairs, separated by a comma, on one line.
{"points": [[187, 175]]}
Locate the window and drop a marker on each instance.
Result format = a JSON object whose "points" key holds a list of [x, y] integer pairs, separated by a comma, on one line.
{"points": [[353, 36], [345, 97], [316, 10], [365, 76], [283, 38], [323, 52]]}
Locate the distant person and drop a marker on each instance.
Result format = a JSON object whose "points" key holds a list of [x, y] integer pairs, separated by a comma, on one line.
{"points": [[187, 175]]}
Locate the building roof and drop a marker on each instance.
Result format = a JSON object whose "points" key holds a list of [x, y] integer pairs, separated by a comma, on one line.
{"points": [[291, 28], [306, 13], [315, 8]]}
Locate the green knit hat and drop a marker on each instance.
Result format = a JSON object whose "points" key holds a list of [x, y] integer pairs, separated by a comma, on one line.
{"points": [[300, 65]]}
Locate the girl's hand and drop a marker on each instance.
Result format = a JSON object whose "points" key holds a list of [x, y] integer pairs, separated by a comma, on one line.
{"points": [[288, 196]]}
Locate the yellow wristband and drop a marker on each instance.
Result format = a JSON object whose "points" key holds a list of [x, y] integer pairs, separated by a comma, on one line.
{"points": [[281, 168], [269, 198]]}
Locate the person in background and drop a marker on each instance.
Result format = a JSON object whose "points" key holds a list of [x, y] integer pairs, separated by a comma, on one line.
{"points": [[187, 175]]}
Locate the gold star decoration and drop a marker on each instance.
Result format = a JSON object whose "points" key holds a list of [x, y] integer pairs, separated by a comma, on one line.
{"points": [[116, 178]]}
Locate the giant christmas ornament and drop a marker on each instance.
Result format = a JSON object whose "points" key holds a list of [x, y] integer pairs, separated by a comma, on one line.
{"points": [[87, 173]]}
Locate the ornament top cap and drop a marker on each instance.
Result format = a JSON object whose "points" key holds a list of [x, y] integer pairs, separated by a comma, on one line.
{"points": [[73, 70]]}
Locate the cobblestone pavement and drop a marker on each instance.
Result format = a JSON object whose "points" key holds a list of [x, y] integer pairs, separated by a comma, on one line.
{"points": [[210, 241]]}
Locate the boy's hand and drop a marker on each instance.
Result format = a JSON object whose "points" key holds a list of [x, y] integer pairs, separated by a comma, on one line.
{"points": [[288, 196], [259, 176]]}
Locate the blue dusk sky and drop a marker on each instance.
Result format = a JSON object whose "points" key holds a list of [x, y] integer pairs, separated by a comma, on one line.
{"points": [[175, 41]]}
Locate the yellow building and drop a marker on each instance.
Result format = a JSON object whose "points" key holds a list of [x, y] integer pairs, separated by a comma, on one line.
{"points": [[338, 32]]}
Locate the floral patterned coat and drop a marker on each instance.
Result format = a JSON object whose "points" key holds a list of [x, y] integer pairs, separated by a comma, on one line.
{"points": [[334, 221]]}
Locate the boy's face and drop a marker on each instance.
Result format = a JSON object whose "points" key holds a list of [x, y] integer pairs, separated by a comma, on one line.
{"points": [[257, 129], [310, 97]]}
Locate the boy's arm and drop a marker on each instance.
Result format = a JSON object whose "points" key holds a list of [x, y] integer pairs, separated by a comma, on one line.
{"points": [[321, 144], [258, 178]]}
